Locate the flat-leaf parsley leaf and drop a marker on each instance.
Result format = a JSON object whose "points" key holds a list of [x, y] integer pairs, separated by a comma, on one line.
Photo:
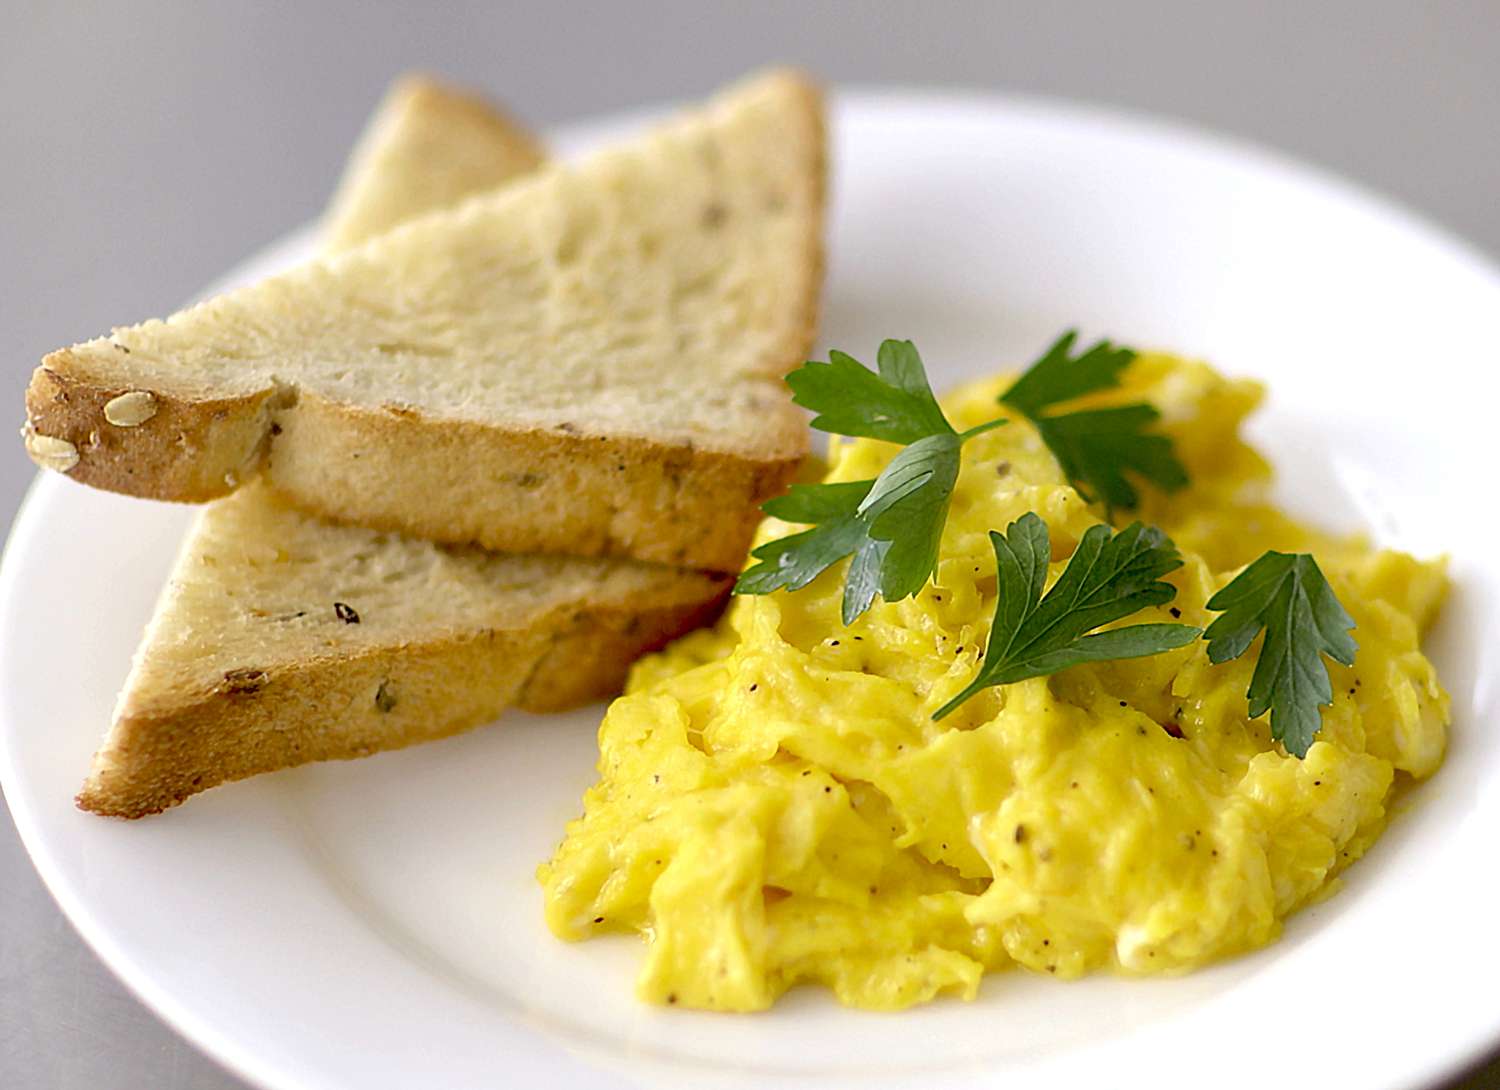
{"points": [[1094, 447], [896, 404], [891, 525], [1109, 576], [1287, 595]]}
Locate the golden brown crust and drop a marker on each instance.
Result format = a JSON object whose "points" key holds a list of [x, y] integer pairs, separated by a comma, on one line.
{"points": [[259, 721], [534, 490], [191, 449], [588, 659], [340, 707], [445, 480]]}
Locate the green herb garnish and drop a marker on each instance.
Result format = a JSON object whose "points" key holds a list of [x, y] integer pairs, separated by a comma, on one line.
{"points": [[891, 525], [1094, 447], [1287, 595], [1109, 576]]}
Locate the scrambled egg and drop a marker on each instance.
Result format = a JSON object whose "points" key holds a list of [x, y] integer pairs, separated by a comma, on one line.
{"points": [[776, 805]]}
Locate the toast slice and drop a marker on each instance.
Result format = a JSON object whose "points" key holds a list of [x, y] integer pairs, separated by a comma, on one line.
{"points": [[587, 362], [283, 638], [427, 147]]}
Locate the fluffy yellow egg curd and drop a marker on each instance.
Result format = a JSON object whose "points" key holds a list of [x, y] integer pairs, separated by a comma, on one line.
{"points": [[776, 804]]}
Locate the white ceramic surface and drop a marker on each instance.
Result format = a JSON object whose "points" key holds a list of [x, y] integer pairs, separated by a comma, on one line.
{"points": [[376, 923]]}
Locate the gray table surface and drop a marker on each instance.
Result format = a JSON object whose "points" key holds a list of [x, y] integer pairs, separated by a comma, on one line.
{"points": [[147, 147]]}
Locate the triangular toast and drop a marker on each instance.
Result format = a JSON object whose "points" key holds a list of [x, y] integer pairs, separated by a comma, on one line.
{"points": [[587, 362], [283, 638]]}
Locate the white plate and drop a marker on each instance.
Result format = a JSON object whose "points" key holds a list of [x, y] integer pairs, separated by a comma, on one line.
{"points": [[376, 923]]}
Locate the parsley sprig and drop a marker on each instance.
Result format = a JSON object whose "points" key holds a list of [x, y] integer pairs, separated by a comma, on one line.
{"points": [[1094, 447], [891, 525], [1109, 577], [1287, 595]]}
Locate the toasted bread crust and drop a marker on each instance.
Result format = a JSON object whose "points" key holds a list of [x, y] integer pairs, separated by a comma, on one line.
{"points": [[588, 658], [445, 480], [534, 490], [190, 450], [340, 707]]}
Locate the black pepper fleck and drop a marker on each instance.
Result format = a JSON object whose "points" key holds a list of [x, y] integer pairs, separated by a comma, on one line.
{"points": [[1174, 611], [345, 613]]}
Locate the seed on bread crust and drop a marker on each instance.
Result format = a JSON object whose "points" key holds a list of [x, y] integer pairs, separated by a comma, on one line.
{"points": [[130, 409], [50, 452]]}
